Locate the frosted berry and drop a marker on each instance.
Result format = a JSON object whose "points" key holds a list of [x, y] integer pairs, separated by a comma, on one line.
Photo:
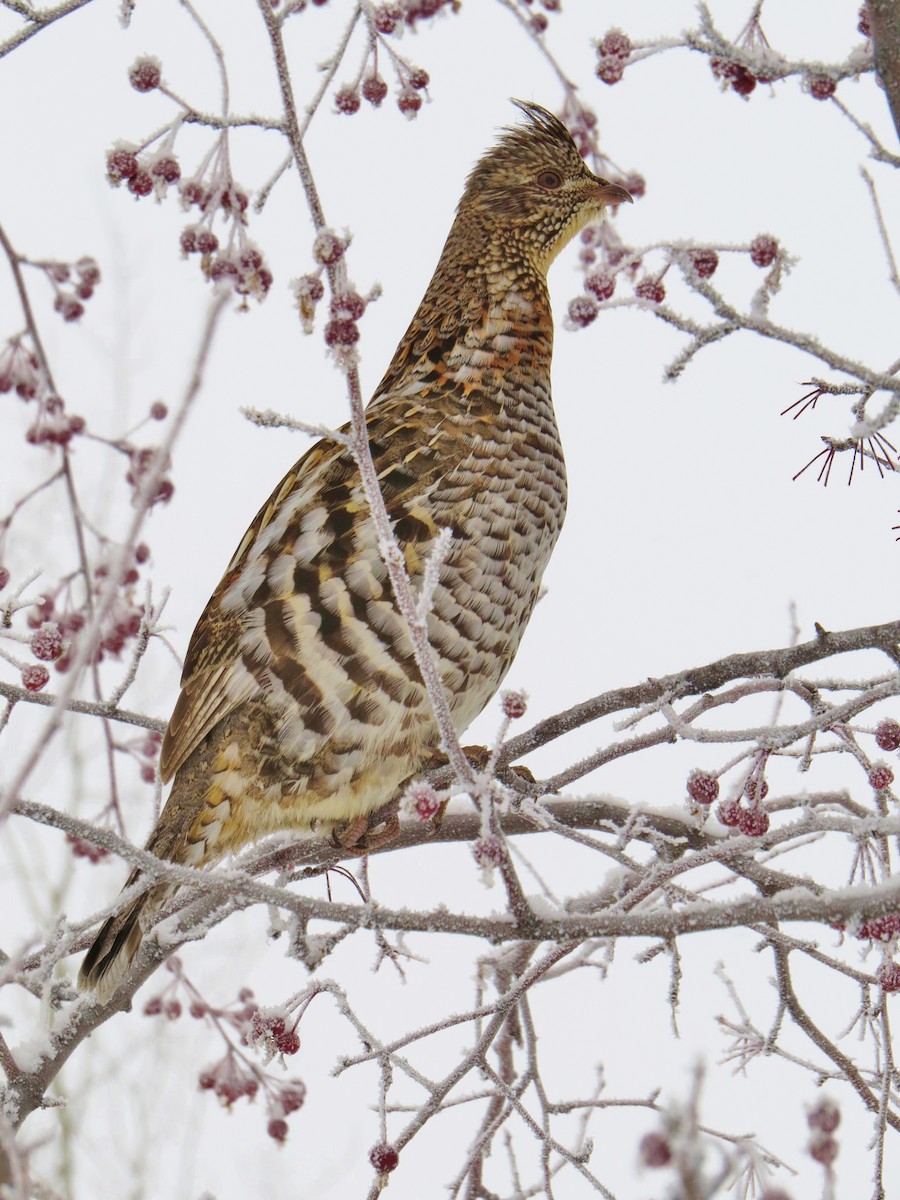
{"points": [[385, 19], [651, 289], [153, 1007], [655, 1150], [881, 776], [277, 1129], [158, 410], [514, 705], [703, 787], [823, 1149], [166, 169], [610, 69], [615, 43], [341, 333], [421, 798], [207, 243], [763, 250], [349, 305], [582, 310], [887, 735], [488, 852], [374, 89], [121, 165], [418, 79], [4, 578], [188, 240], [346, 100], [409, 102], [144, 74], [704, 262], [84, 291], [864, 26], [824, 1115], [742, 81], [539, 23], [35, 677], [327, 248], [601, 285], [880, 929], [311, 286], [292, 1096], [754, 822], [750, 790], [729, 813], [821, 87], [140, 184], [384, 1158], [70, 308], [173, 1010], [88, 271], [635, 184], [141, 552], [47, 643], [888, 976]]}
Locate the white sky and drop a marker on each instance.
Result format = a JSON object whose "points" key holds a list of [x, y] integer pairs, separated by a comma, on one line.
{"points": [[685, 539]]}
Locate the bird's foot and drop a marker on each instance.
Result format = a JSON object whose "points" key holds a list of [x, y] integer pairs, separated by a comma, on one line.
{"points": [[369, 831]]}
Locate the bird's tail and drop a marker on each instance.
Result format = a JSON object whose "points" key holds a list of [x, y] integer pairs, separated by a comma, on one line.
{"points": [[118, 941]]}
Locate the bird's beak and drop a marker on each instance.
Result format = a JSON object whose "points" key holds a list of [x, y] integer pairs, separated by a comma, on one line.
{"points": [[611, 193]]}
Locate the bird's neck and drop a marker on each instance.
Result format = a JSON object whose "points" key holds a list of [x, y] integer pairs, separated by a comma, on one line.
{"points": [[487, 307]]}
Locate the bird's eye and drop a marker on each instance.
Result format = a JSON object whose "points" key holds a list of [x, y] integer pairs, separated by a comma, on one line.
{"points": [[549, 180]]}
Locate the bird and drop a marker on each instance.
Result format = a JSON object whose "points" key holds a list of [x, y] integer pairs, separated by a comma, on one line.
{"points": [[301, 704]]}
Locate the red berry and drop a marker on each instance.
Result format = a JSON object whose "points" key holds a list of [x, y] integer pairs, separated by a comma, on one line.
{"points": [[635, 184], [610, 69], [824, 1115], [864, 27], [488, 852], [880, 929], [277, 1129], [291, 1097], [4, 578], [341, 333], [166, 169], [880, 777], [349, 305], [158, 410], [750, 790], [288, 1042], [742, 81], [121, 165], [704, 262], [655, 1150], [582, 310], [47, 643], [140, 184], [601, 285], [141, 552], [539, 23], [615, 43], [651, 289], [346, 100], [88, 270], [729, 813], [821, 87], [754, 822], [418, 79], [207, 1080], [144, 74], [327, 248], [374, 89], [384, 1158], [703, 787], [409, 102], [888, 976], [84, 291], [153, 1007], [70, 308], [887, 735], [173, 1010], [35, 677], [763, 250], [514, 705], [823, 1149]]}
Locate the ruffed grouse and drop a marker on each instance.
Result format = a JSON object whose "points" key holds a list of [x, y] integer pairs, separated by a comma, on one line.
{"points": [[301, 704]]}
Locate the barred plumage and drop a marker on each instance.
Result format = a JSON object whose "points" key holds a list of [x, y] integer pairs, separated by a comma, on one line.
{"points": [[301, 703]]}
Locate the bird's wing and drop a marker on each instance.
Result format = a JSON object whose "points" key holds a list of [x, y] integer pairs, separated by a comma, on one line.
{"points": [[312, 517]]}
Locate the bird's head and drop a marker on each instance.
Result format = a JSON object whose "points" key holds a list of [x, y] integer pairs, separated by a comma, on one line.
{"points": [[535, 188]]}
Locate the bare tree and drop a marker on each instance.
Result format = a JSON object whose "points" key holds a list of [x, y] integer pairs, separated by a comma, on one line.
{"points": [[786, 817]]}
